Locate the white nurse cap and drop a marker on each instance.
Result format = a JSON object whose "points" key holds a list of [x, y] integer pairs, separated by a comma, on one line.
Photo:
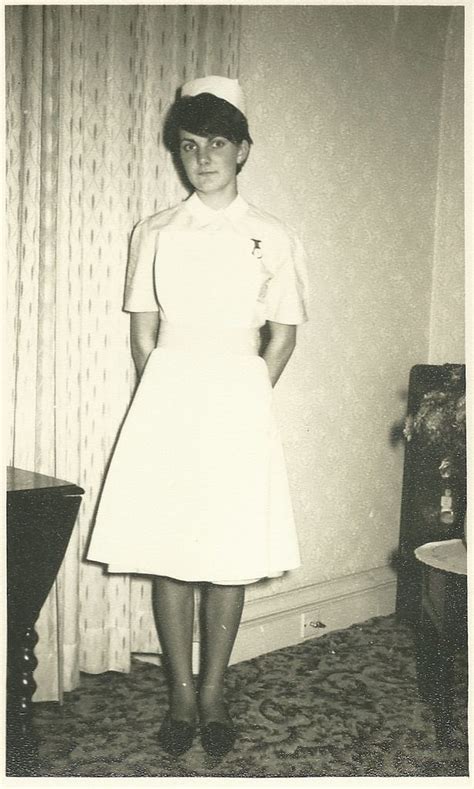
{"points": [[222, 87]]}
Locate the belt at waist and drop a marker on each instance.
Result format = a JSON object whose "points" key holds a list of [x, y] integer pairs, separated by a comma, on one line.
{"points": [[204, 339]]}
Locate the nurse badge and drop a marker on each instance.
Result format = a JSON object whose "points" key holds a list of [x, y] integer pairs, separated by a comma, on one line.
{"points": [[257, 251]]}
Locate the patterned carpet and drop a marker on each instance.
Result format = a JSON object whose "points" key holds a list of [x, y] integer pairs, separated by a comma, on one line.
{"points": [[345, 704]]}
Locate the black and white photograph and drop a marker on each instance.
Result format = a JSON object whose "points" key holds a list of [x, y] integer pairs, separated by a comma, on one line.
{"points": [[235, 346]]}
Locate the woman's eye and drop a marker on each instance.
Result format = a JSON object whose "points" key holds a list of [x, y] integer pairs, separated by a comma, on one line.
{"points": [[219, 143], [188, 146]]}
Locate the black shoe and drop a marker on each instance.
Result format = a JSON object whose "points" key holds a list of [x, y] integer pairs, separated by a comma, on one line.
{"points": [[217, 738], [176, 737]]}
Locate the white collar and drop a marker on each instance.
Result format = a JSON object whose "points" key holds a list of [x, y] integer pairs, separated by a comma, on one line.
{"points": [[205, 215]]}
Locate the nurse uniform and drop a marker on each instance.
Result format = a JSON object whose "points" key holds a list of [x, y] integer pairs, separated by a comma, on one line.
{"points": [[197, 487]]}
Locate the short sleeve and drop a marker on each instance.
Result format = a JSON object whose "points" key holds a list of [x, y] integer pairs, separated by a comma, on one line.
{"points": [[287, 294], [139, 293]]}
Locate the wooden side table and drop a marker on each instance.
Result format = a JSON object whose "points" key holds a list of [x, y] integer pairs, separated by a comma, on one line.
{"points": [[41, 512], [443, 627]]}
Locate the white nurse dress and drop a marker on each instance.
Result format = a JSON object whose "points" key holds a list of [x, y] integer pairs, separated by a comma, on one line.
{"points": [[197, 487]]}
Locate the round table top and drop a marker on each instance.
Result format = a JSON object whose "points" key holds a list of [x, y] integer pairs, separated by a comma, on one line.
{"points": [[449, 555]]}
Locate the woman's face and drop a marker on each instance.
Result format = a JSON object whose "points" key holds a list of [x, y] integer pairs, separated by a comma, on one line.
{"points": [[211, 163]]}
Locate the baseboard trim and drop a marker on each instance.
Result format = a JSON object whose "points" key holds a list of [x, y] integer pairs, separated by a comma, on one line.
{"points": [[287, 618], [290, 617]]}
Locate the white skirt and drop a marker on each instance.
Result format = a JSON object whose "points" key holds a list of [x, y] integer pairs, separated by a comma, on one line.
{"points": [[197, 487]]}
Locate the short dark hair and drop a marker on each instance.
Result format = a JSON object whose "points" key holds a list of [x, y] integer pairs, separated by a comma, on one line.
{"points": [[207, 116]]}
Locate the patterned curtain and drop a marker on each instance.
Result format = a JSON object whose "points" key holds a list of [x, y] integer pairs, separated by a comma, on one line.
{"points": [[87, 88]]}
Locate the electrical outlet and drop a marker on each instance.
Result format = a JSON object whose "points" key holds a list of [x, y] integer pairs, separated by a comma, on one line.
{"points": [[311, 625]]}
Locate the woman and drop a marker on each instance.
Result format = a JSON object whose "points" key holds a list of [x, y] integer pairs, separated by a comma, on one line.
{"points": [[197, 489]]}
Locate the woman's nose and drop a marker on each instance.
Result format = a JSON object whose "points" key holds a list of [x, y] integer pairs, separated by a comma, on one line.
{"points": [[203, 155]]}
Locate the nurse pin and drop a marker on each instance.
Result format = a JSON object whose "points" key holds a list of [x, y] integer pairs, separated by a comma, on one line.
{"points": [[256, 248]]}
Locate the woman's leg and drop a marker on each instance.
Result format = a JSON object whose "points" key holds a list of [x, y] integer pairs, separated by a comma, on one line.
{"points": [[221, 611], [173, 605]]}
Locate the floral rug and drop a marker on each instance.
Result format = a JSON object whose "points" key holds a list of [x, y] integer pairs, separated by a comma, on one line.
{"points": [[344, 704]]}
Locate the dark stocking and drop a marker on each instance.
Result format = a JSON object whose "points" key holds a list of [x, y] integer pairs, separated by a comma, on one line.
{"points": [[221, 611], [173, 604]]}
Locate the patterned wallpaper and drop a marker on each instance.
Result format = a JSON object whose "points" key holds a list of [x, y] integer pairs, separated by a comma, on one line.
{"points": [[447, 309], [345, 112]]}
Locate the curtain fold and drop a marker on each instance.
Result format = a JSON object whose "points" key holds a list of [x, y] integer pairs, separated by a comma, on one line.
{"points": [[87, 88]]}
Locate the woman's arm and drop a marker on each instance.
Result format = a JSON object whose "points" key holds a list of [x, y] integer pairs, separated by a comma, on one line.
{"points": [[279, 349], [143, 332]]}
